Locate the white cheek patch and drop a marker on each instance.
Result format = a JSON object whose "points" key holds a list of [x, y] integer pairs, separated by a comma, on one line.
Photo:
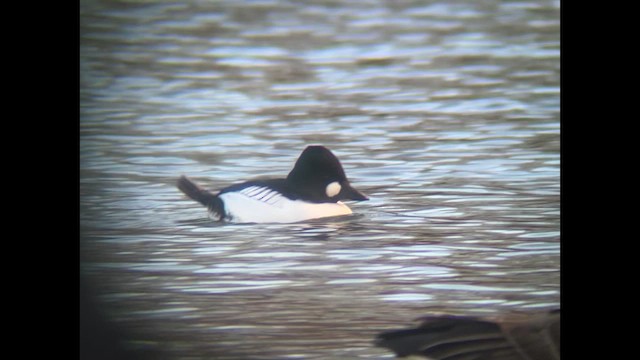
{"points": [[333, 189]]}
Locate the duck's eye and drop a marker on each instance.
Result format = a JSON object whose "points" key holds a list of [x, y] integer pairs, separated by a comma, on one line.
{"points": [[333, 189]]}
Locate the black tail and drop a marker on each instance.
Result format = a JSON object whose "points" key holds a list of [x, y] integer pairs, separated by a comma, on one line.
{"points": [[204, 197]]}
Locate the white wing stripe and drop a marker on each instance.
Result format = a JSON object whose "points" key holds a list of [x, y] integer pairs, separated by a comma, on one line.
{"points": [[263, 194], [253, 190], [274, 200], [271, 194]]}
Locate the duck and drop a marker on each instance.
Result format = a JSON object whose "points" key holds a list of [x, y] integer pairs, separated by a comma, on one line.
{"points": [[315, 188]]}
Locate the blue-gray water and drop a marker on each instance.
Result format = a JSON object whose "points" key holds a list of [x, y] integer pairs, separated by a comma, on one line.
{"points": [[445, 113]]}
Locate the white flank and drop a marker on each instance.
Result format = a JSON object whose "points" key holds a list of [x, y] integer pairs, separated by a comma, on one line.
{"points": [[262, 205]]}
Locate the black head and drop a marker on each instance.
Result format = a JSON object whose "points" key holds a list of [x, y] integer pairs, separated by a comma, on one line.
{"points": [[318, 176]]}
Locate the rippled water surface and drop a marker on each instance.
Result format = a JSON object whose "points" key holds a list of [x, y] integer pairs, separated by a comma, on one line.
{"points": [[446, 114]]}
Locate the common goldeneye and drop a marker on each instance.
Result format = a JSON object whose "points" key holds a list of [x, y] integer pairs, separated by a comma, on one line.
{"points": [[313, 189]]}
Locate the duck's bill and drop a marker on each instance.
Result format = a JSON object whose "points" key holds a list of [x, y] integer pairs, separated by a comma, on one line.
{"points": [[349, 193]]}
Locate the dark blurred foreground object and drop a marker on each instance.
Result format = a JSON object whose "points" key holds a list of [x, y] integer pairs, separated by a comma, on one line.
{"points": [[100, 337], [531, 337]]}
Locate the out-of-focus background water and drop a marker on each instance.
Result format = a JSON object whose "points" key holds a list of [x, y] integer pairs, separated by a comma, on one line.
{"points": [[445, 113]]}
